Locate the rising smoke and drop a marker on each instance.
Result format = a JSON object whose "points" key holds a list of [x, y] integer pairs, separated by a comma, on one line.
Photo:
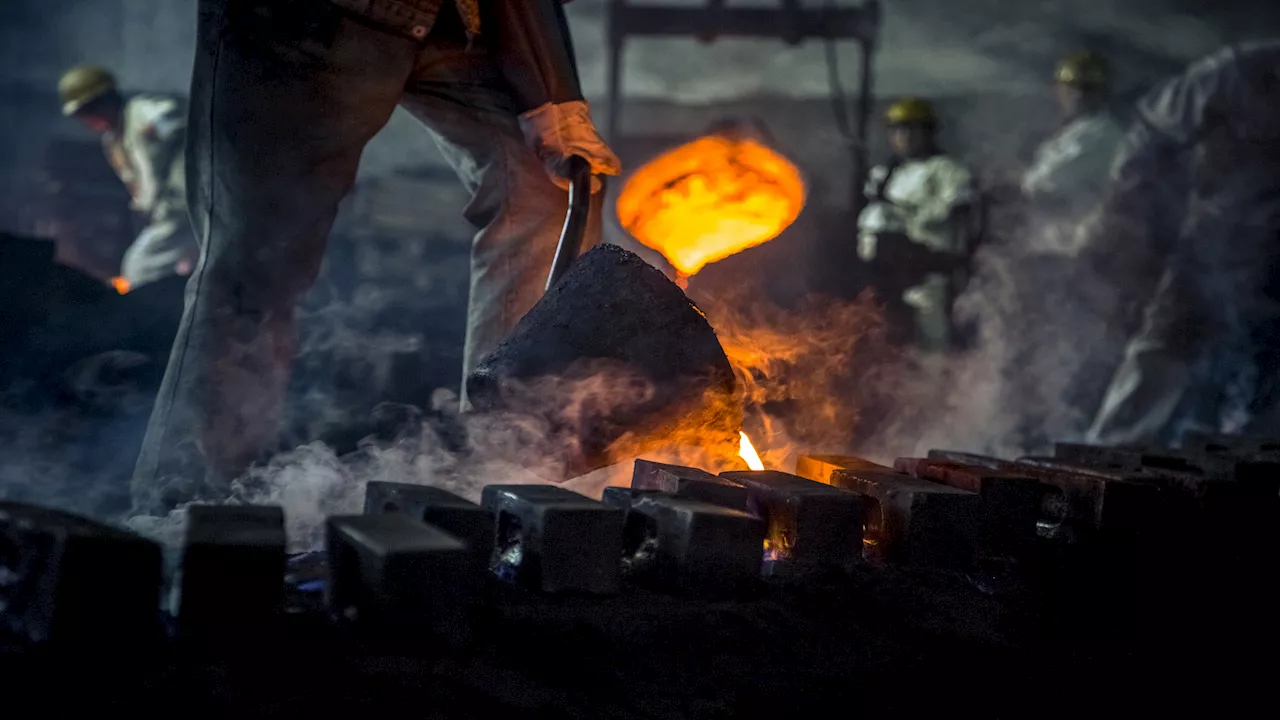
{"points": [[822, 378]]}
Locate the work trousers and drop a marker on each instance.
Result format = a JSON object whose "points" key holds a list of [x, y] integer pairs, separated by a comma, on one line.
{"points": [[285, 96], [1204, 358]]}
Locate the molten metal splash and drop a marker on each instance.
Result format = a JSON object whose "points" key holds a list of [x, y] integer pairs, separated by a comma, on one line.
{"points": [[748, 453], [709, 199], [120, 284]]}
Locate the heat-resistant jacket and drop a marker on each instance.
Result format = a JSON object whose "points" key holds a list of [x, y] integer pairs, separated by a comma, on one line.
{"points": [[1071, 169], [919, 198], [147, 151]]}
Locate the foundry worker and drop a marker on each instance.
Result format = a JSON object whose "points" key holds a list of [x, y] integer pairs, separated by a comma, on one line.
{"points": [[1195, 212], [919, 219], [1070, 171], [285, 95], [1050, 307], [142, 136]]}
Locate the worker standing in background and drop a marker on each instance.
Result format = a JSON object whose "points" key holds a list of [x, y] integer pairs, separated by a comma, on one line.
{"points": [[285, 96], [1070, 172], [919, 222], [1193, 218], [1060, 356], [143, 137]]}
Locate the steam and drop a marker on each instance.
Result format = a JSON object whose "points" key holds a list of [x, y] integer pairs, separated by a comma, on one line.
{"points": [[810, 373], [461, 453]]}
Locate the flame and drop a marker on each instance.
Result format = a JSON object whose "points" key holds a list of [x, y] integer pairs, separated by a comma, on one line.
{"points": [[807, 373], [748, 452], [120, 284], [709, 199]]}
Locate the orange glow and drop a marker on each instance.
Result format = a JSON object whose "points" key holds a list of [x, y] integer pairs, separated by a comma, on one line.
{"points": [[709, 199], [120, 284], [748, 452]]}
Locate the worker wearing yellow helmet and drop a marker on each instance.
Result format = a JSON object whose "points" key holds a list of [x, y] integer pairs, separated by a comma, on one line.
{"points": [[917, 225], [142, 136], [1070, 171]]}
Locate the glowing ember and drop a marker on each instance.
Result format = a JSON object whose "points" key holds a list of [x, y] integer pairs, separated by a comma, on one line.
{"points": [[748, 452], [709, 199], [120, 284]]}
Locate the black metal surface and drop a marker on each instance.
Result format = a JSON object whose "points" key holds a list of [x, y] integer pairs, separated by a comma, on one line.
{"points": [[233, 570], [915, 521], [810, 525], [575, 221], [871, 640], [697, 547], [1011, 505], [400, 578], [690, 483], [611, 362], [820, 467], [455, 515], [69, 581], [556, 540]]}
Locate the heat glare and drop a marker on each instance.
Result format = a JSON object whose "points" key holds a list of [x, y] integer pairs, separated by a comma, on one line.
{"points": [[711, 198]]}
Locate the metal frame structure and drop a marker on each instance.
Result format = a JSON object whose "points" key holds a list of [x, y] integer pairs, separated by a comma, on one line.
{"points": [[789, 22]]}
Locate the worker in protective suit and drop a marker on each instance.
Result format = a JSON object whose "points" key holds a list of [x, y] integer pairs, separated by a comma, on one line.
{"points": [[1195, 208], [285, 95], [1070, 171], [1050, 312], [918, 223], [142, 135]]}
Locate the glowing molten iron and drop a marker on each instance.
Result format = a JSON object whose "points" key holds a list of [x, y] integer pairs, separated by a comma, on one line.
{"points": [[709, 199], [748, 452], [120, 284]]}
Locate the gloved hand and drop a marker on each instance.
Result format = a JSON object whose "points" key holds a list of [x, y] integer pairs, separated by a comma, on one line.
{"points": [[557, 132]]}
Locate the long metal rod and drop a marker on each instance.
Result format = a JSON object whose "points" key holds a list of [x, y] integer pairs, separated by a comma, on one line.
{"points": [[575, 221], [866, 98]]}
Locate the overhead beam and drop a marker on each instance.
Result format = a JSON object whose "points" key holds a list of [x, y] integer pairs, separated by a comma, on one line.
{"points": [[710, 23]]}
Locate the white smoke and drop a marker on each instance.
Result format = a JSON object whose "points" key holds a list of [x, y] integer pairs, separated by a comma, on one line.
{"points": [[312, 482]]}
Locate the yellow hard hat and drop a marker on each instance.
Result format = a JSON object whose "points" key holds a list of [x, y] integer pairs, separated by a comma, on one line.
{"points": [[82, 85], [911, 111], [1084, 69]]}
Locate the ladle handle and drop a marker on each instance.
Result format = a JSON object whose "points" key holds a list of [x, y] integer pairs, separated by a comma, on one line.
{"points": [[575, 221]]}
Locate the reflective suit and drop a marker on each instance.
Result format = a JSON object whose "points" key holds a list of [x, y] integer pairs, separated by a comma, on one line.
{"points": [[285, 95], [922, 200], [146, 154], [1069, 176], [1197, 177]]}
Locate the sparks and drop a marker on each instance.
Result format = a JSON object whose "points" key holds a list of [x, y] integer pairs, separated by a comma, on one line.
{"points": [[748, 452]]}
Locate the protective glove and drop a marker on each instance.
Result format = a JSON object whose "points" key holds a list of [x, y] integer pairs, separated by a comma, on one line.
{"points": [[559, 131]]}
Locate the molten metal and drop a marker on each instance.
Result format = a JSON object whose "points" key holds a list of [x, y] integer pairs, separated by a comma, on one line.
{"points": [[120, 284], [711, 198], [748, 453]]}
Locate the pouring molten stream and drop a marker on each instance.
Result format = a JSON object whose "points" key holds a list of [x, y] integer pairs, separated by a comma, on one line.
{"points": [[747, 452], [711, 198]]}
